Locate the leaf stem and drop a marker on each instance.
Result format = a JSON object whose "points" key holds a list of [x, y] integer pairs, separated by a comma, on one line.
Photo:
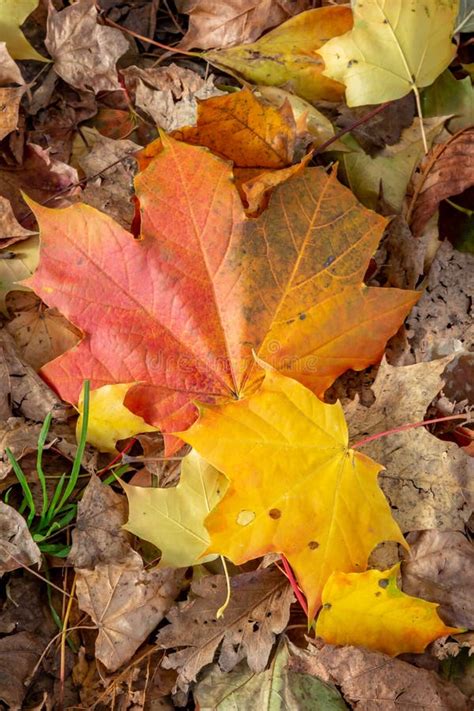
{"points": [[223, 607], [420, 116], [292, 580], [411, 426]]}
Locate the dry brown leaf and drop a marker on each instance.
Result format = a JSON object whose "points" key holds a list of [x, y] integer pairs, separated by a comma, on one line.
{"points": [[9, 69], [214, 24], [20, 437], [440, 567], [29, 395], [442, 321], [447, 170], [40, 333], [371, 681], [98, 538], [19, 654], [112, 191], [259, 609], [84, 52], [40, 177], [17, 547], [126, 603], [9, 106], [169, 94], [427, 481], [10, 229]]}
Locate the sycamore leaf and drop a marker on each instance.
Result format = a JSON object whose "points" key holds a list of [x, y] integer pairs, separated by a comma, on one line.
{"points": [[173, 518], [109, 419], [241, 128], [214, 24], [369, 610], [181, 310], [288, 55], [395, 46], [295, 486], [13, 13]]}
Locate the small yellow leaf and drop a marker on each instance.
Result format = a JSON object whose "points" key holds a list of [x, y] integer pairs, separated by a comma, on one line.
{"points": [[369, 610], [24, 260], [395, 46], [173, 518], [109, 419], [13, 13]]}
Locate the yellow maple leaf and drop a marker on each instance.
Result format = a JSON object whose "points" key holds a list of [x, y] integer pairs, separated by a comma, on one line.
{"points": [[173, 518], [369, 610], [109, 419], [12, 15], [296, 487], [395, 46]]}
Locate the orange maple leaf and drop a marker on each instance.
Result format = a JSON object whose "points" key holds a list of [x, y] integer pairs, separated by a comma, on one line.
{"points": [[180, 310]]}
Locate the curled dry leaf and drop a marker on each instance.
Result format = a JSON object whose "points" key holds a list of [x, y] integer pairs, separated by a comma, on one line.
{"points": [[259, 608], [17, 547], [371, 681], [442, 321], [10, 229], [98, 538], [84, 52], [277, 688], [40, 334], [169, 94], [288, 56], [214, 24], [126, 603], [427, 481], [440, 567], [447, 170], [29, 394]]}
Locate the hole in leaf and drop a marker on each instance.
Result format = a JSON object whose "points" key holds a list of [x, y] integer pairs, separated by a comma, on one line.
{"points": [[245, 517], [383, 582]]}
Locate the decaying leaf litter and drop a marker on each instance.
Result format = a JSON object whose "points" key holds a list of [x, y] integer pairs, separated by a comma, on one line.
{"points": [[236, 268]]}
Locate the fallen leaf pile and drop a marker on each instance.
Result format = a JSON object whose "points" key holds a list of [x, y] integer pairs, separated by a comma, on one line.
{"points": [[236, 367]]}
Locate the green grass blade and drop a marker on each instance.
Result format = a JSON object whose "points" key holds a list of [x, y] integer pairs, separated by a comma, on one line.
{"points": [[76, 467], [54, 501], [39, 465], [24, 485]]}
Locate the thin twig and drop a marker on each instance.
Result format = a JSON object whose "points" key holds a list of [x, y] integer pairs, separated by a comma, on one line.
{"points": [[348, 129]]}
